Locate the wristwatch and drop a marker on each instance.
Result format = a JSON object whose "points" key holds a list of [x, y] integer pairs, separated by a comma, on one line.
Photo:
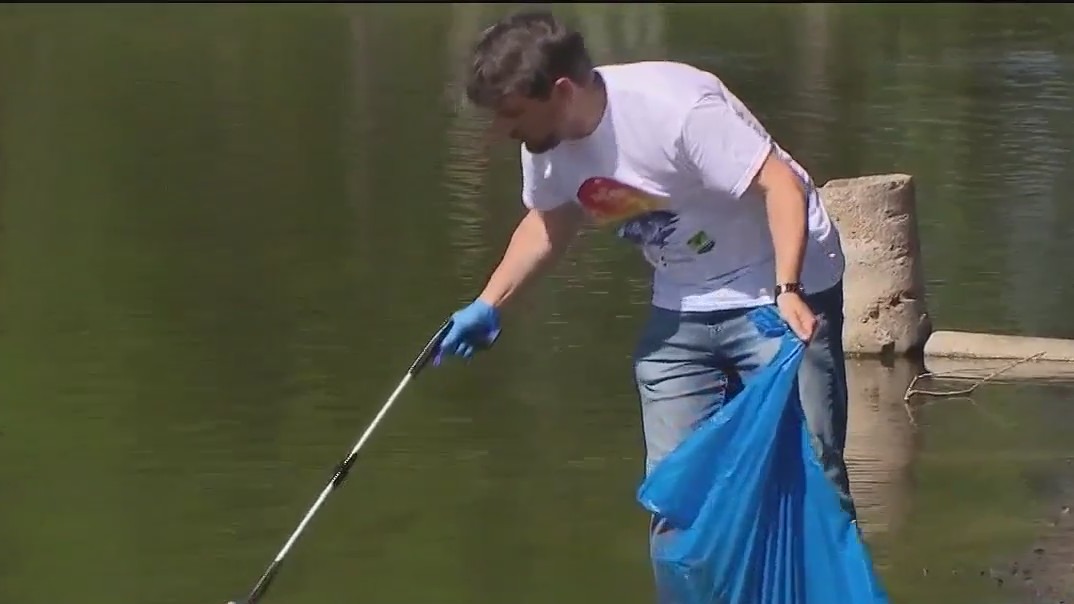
{"points": [[785, 288]]}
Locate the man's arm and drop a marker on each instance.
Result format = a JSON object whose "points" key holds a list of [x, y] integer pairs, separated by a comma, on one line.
{"points": [[733, 154], [539, 240], [785, 203]]}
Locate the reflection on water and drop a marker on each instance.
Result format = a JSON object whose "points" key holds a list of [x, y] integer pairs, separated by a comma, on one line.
{"points": [[224, 234], [880, 443]]}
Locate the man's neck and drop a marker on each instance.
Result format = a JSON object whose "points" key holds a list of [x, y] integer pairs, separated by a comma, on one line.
{"points": [[594, 103]]}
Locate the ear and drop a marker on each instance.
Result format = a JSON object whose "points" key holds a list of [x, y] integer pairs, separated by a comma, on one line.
{"points": [[563, 89]]}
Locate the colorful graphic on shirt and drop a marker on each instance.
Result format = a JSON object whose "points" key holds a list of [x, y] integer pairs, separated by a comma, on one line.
{"points": [[608, 200], [652, 228], [645, 221]]}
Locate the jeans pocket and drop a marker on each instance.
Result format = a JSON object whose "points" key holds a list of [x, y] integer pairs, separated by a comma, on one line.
{"points": [[768, 322]]}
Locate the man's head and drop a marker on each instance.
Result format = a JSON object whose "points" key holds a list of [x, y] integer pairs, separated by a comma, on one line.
{"points": [[530, 70]]}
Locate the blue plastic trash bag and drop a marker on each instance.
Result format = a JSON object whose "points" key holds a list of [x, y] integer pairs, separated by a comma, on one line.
{"points": [[755, 520]]}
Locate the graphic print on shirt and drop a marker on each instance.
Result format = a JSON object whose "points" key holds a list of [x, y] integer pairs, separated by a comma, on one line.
{"points": [[644, 220], [701, 242]]}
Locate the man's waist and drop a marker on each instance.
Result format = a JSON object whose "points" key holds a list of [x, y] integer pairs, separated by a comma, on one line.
{"points": [[745, 288]]}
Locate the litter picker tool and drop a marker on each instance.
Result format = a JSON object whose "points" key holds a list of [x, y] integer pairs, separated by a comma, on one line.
{"points": [[344, 467]]}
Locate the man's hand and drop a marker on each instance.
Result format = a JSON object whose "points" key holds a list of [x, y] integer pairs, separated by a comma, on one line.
{"points": [[798, 315], [472, 328]]}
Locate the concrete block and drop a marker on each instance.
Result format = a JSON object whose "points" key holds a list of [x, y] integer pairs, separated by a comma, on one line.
{"points": [[884, 284]]}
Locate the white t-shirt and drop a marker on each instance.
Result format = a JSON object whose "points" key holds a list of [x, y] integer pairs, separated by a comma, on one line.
{"points": [[670, 163]]}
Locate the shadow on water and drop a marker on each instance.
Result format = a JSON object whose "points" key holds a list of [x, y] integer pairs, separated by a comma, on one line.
{"points": [[225, 232]]}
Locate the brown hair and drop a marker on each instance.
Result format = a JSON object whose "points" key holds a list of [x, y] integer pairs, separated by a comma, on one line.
{"points": [[525, 53]]}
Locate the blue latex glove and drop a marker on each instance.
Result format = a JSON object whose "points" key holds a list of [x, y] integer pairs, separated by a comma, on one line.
{"points": [[475, 326]]}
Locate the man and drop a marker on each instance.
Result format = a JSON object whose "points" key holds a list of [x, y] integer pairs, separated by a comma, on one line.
{"points": [[733, 226]]}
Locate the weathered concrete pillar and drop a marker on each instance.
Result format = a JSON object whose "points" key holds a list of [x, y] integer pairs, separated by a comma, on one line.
{"points": [[884, 284]]}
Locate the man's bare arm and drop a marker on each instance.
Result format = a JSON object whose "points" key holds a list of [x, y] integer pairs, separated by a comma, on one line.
{"points": [[539, 240], [785, 203]]}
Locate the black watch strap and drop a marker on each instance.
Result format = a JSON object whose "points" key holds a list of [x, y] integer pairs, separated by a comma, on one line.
{"points": [[784, 288]]}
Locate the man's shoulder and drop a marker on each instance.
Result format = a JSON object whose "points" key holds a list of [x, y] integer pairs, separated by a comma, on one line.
{"points": [[643, 73], [653, 65], [661, 86]]}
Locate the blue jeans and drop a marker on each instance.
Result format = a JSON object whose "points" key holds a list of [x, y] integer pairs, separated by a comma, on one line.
{"points": [[688, 364]]}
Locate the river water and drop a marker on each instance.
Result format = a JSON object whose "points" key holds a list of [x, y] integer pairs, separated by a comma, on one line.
{"points": [[225, 232]]}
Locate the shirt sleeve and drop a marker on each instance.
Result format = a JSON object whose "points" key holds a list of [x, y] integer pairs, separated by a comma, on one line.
{"points": [[539, 191], [726, 146]]}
